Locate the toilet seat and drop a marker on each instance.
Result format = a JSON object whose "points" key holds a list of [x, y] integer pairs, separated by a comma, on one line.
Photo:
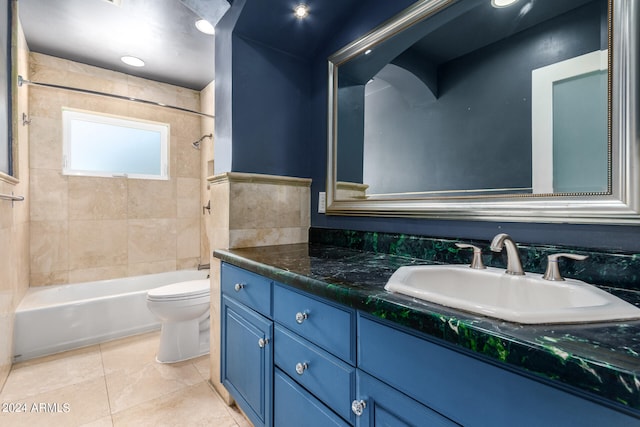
{"points": [[189, 290]]}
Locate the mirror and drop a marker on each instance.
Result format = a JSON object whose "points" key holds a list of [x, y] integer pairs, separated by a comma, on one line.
{"points": [[461, 109]]}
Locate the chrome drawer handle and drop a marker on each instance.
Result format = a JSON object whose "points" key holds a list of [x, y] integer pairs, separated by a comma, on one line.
{"points": [[358, 406], [301, 317], [301, 367], [238, 287], [262, 342]]}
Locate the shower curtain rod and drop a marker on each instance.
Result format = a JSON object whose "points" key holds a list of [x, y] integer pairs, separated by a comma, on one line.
{"points": [[22, 81]]}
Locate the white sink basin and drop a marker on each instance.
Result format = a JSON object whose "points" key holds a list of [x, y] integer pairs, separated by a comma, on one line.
{"points": [[523, 299]]}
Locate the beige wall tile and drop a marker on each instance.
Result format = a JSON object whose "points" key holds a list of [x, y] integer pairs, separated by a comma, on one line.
{"points": [[6, 211], [49, 195], [151, 199], [98, 273], [189, 205], [187, 158], [188, 263], [52, 62], [44, 102], [267, 236], [49, 247], [152, 240], [49, 278], [45, 138], [97, 198], [138, 269], [258, 206], [220, 201], [98, 243], [188, 232]]}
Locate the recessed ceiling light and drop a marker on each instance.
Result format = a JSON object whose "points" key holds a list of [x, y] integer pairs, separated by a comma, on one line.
{"points": [[502, 3], [133, 61], [301, 11], [205, 26]]}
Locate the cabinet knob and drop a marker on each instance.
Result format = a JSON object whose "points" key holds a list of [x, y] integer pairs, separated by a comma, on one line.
{"points": [[301, 367], [301, 317], [358, 406], [262, 342], [238, 287]]}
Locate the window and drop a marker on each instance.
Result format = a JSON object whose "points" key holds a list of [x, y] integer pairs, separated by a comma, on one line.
{"points": [[101, 145]]}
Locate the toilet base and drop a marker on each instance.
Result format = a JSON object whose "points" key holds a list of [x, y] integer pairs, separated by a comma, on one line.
{"points": [[180, 341]]}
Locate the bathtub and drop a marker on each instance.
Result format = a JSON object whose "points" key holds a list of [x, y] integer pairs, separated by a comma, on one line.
{"points": [[52, 319]]}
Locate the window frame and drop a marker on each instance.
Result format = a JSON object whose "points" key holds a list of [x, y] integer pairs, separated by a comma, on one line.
{"points": [[70, 114]]}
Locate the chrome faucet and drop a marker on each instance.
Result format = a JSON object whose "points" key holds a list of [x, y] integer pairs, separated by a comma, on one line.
{"points": [[514, 265]]}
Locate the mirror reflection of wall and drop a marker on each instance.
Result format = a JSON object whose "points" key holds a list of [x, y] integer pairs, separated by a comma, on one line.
{"points": [[465, 123]]}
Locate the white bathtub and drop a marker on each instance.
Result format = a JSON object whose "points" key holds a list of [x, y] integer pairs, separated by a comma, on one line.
{"points": [[51, 319]]}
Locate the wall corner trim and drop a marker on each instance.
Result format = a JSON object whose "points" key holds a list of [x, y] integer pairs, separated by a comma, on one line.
{"points": [[240, 177]]}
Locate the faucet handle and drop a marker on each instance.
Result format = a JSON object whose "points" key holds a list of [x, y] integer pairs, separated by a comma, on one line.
{"points": [[477, 255], [553, 271]]}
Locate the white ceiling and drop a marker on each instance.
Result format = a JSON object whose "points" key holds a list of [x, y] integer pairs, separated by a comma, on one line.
{"points": [[98, 32]]}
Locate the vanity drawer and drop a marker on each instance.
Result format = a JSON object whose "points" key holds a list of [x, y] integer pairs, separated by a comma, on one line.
{"points": [[330, 379], [324, 324], [248, 288], [295, 407]]}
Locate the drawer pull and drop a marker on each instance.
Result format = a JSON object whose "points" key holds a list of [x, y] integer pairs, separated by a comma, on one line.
{"points": [[262, 342], [358, 406], [238, 287], [301, 367], [301, 317]]}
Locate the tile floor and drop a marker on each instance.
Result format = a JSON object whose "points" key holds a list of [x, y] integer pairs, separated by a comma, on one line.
{"points": [[118, 383]]}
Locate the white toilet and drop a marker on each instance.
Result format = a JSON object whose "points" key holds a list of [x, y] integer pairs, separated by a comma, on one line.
{"points": [[183, 309]]}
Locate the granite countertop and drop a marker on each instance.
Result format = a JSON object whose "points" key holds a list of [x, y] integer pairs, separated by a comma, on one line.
{"points": [[601, 359]]}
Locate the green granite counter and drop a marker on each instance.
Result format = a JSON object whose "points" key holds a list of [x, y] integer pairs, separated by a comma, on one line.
{"points": [[602, 360]]}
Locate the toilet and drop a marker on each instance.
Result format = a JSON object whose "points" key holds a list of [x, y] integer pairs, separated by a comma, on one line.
{"points": [[183, 309]]}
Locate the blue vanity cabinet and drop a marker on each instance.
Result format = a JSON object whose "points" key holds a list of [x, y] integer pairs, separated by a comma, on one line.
{"points": [[296, 407], [290, 358], [465, 389], [378, 404], [246, 367], [314, 345]]}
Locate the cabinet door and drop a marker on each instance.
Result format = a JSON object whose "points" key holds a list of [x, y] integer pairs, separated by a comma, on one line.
{"points": [[382, 405], [295, 407], [247, 360]]}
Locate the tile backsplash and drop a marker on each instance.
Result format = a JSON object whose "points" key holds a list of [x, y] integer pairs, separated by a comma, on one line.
{"points": [[615, 271]]}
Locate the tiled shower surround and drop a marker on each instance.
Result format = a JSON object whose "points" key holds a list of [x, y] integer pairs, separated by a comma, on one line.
{"points": [[89, 228]]}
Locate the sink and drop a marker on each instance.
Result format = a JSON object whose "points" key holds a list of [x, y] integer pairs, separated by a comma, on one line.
{"points": [[527, 299]]}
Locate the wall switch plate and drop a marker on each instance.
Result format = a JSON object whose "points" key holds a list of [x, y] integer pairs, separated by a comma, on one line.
{"points": [[322, 202]]}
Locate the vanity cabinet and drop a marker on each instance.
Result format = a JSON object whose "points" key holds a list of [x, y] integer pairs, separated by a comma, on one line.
{"points": [[246, 367], [381, 405], [314, 344], [290, 358], [466, 389], [287, 358]]}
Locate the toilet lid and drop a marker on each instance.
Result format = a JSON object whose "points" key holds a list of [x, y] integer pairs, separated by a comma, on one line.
{"points": [[181, 290]]}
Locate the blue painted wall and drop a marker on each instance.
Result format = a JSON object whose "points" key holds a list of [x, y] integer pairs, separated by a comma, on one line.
{"points": [[277, 136]]}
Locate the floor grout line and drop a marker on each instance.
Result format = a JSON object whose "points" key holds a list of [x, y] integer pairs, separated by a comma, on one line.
{"points": [[106, 387]]}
